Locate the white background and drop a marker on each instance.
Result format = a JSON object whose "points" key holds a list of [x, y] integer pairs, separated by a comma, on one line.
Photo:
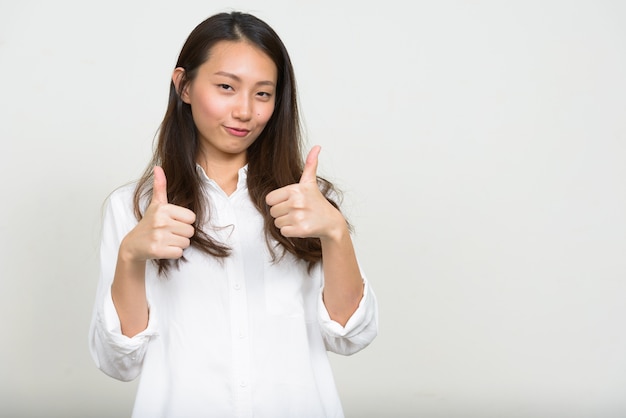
{"points": [[481, 146]]}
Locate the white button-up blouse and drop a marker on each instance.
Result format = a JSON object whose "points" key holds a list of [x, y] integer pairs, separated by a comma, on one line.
{"points": [[236, 337]]}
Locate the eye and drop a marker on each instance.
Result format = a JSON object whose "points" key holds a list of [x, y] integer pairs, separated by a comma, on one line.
{"points": [[224, 86], [264, 94]]}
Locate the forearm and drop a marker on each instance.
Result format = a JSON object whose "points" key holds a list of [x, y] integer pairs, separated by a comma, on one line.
{"points": [[129, 295], [343, 284]]}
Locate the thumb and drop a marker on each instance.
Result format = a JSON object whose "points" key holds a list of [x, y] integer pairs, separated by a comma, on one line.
{"points": [[159, 187], [309, 174]]}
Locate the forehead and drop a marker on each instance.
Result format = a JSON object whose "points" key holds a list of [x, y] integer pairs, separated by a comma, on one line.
{"points": [[241, 58]]}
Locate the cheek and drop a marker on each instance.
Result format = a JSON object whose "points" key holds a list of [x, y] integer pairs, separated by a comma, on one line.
{"points": [[209, 108], [264, 114]]}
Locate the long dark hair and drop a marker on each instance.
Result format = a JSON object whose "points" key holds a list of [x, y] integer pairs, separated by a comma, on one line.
{"points": [[274, 158]]}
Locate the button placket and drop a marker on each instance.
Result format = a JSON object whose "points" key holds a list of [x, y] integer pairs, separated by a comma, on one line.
{"points": [[238, 315]]}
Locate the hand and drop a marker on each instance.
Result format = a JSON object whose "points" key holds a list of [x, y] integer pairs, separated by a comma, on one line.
{"points": [[301, 210], [165, 229]]}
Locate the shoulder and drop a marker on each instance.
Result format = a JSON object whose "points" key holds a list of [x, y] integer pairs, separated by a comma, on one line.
{"points": [[120, 200], [123, 193], [118, 214]]}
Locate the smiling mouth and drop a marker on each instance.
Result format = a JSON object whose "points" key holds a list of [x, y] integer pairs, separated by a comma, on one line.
{"points": [[237, 132]]}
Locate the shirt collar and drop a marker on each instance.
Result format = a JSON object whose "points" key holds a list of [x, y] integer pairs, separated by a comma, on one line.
{"points": [[241, 182]]}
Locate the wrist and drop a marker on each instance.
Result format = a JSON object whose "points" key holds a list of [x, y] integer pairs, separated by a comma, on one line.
{"points": [[127, 256], [338, 233]]}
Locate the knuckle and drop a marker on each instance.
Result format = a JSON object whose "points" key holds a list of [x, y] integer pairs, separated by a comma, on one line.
{"points": [[154, 249]]}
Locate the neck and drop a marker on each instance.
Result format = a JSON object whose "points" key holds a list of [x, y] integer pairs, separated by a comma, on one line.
{"points": [[224, 171]]}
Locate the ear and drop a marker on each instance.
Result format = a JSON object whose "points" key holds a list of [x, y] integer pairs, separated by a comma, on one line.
{"points": [[177, 78]]}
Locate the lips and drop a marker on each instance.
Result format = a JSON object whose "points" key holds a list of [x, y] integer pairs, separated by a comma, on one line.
{"points": [[239, 132]]}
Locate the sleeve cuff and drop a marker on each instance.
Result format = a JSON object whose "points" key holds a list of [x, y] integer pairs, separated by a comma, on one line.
{"points": [[110, 323], [354, 324]]}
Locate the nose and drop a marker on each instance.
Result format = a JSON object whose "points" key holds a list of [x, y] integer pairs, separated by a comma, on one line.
{"points": [[242, 109]]}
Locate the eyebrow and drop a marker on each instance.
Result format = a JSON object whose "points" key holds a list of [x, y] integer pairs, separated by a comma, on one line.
{"points": [[237, 78]]}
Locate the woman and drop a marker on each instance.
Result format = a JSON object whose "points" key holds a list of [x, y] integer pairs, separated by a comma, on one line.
{"points": [[228, 270]]}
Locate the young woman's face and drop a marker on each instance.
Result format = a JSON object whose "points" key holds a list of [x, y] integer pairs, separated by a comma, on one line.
{"points": [[232, 98]]}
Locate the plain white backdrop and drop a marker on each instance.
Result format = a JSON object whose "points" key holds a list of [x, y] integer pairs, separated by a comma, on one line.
{"points": [[481, 146]]}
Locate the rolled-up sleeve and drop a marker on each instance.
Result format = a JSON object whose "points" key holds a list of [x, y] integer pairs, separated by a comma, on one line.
{"points": [[115, 354], [359, 331]]}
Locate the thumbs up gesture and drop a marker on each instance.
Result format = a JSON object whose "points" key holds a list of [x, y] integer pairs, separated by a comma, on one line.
{"points": [[165, 229], [301, 210]]}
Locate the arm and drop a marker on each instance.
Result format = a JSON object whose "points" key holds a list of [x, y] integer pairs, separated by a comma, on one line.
{"points": [[163, 233], [300, 210], [114, 353], [121, 328], [128, 293], [343, 284]]}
